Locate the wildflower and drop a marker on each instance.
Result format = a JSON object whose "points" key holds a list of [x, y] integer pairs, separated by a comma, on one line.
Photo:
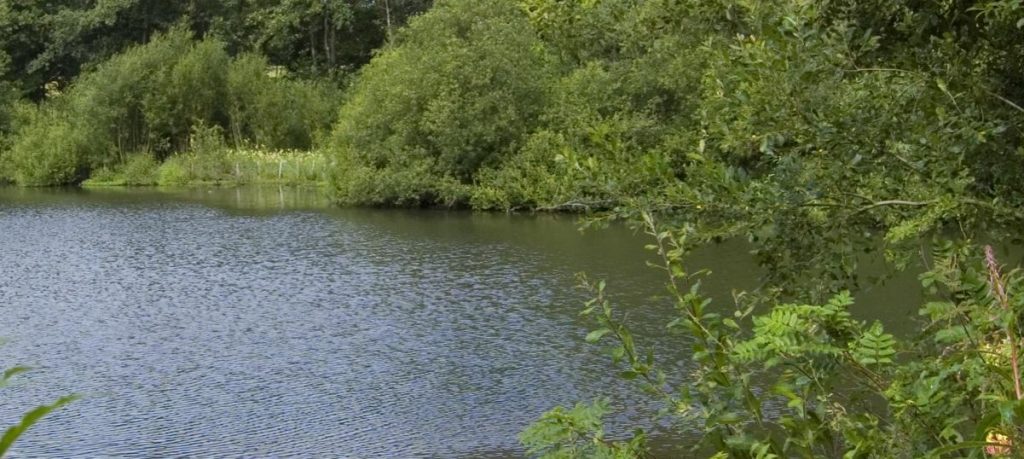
{"points": [[999, 445]]}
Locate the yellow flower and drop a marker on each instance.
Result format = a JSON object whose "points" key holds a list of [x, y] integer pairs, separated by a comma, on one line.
{"points": [[999, 444]]}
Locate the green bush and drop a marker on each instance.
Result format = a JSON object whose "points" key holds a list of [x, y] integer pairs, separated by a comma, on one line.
{"points": [[128, 99], [49, 148], [150, 99], [800, 379], [276, 112], [461, 88], [413, 183], [191, 90], [799, 127], [206, 162], [104, 176], [173, 171], [141, 169], [8, 98]]}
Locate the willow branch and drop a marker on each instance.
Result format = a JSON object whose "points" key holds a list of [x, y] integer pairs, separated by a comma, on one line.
{"points": [[896, 202], [999, 290]]}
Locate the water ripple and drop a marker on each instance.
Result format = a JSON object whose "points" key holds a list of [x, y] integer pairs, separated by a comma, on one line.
{"points": [[195, 331]]}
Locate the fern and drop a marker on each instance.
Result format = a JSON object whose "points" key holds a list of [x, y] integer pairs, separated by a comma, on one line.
{"points": [[874, 346]]}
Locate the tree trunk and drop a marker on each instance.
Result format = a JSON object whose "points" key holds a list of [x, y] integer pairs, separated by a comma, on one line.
{"points": [[327, 40], [312, 46], [387, 18]]}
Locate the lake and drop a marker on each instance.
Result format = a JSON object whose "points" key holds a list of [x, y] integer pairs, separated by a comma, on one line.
{"points": [[262, 322]]}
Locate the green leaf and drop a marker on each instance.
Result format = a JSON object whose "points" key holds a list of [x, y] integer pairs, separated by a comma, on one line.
{"points": [[728, 418], [937, 452], [29, 419], [11, 372], [595, 335]]}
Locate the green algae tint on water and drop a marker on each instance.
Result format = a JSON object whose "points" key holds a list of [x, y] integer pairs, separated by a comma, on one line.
{"points": [[262, 322]]}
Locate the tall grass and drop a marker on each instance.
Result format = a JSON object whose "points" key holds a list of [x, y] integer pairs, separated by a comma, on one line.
{"points": [[226, 166], [278, 166]]}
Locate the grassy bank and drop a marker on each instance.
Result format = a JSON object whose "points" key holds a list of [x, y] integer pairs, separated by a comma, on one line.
{"points": [[242, 166]]}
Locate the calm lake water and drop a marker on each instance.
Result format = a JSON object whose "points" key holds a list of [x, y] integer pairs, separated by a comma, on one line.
{"points": [[261, 322]]}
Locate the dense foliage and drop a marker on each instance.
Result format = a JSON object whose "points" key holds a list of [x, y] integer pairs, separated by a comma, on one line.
{"points": [[818, 130], [811, 381], [810, 127], [152, 100], [678, 101], [53, 41], [460, 90], [136, 76]]}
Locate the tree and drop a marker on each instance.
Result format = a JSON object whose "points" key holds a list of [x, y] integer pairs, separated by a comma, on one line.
{"points": [[54, 41]]}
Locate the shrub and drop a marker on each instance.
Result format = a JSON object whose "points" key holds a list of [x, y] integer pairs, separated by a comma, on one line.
{"points": [[141, 169], [151, 98], [276, 112], [810, 380], [192, 90], [413, 183], [461, 88], [104, 176], [7, 99], [128, 99], [173, 171], [50, 149]]}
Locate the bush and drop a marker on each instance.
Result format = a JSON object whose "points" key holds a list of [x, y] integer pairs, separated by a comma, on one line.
{"points": [[206, 162], [8, 100], [129, 101], [192, 90], [276, 112], [173, 171], [810, 380], [49, 148], [104, 176], [150, 99], [812, 138], [462, 88], [140, 170], [414, 183], [8, 97]]}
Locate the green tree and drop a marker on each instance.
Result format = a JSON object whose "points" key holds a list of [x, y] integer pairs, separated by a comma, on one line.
{"points": [[53, 42]]}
